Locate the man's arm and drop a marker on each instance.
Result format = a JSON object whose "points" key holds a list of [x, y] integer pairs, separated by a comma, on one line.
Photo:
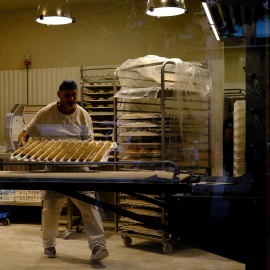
{"points": [[22, 139]]}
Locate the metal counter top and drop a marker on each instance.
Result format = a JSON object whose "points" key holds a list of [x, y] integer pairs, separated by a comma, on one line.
{"points": [[129, 182], [139, 181]]}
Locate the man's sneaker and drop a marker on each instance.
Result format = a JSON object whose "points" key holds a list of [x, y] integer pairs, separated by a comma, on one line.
{"points": [[99, 253], [50, 252]]}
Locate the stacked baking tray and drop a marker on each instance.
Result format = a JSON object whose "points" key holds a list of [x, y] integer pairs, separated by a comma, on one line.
{"points": [[239, 163], [64, 151], [128, 225]]}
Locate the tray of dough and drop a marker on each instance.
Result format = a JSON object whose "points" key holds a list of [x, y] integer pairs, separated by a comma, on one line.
{"points": [[135, 202], [140, 116], [139, 229], [64, 151], [145, 212]]}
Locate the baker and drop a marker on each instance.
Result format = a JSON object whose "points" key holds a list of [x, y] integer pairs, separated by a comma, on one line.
{"points": [[65, 119]]}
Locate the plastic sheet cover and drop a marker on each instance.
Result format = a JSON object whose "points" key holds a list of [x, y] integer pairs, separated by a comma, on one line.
{"points": [[141, 77], [188, 106]]}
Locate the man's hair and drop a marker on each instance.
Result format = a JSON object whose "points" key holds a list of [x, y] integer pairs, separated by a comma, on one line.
{"points": [[68, 85]]}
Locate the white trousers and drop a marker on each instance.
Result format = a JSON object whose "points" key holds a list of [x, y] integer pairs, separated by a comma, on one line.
{"points": [[51, 216], [52, 207]]}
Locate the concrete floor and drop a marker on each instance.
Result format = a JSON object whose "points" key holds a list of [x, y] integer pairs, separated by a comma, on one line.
{"points": [[20, 248]]}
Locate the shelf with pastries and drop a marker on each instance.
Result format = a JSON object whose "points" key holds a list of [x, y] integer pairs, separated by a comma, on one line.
{"points": [[103, 132], [99, 105], [136, 116], [134, 163], [139, 140], [98, 97], [102, 110], [102, 128], [98, 88], [139, 134], [138, 230], [97, 82], [151, 144], [103, 125], [102, 135], [143, 208], [124, 199], [135, 157], [141, 124], [101, 121], [99, 113], [97, 93], [136, 128], [140, 150]]}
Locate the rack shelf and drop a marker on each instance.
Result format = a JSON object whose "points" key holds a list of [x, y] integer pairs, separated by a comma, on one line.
{"points": [[157, 128], [97, 99]]}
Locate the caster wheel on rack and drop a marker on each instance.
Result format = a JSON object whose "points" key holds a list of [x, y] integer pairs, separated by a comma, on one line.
{"points": [[167, 248], [127, 241], [6, 222], [79, 230]]}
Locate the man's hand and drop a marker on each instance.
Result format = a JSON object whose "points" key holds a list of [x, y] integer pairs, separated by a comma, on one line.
{"points": [[23, 138], [20, 144]]}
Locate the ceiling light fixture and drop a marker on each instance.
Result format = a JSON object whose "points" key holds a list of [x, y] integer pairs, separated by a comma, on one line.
{"points": [[210, 20], [165, 8], [54, 12]]}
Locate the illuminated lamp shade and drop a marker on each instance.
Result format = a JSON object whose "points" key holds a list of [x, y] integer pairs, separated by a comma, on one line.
{"points": [[54, 12], [165, 8]]}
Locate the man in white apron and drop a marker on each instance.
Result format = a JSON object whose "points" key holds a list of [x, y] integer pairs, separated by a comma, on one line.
{"points": [[65, 119]]}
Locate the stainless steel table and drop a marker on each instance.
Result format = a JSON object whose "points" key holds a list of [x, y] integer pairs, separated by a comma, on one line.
{"points": [[130, 182]]}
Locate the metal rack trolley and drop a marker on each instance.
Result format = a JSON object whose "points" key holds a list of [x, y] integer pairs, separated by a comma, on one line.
{"points": [[142, 202]]}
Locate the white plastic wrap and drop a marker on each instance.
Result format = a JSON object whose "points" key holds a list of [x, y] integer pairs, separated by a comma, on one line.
{"points": [[141, 77], [146, 92], [188, 86]]}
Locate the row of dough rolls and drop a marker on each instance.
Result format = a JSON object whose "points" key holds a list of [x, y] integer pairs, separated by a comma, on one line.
{"points": [[57, 151]]}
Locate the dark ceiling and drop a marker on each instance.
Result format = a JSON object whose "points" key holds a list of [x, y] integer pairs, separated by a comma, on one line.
{"points": [[239, 18]]}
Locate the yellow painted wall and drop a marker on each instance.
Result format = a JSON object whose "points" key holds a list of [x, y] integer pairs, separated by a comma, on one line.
{"points": [[235, 62], [105, 32]]}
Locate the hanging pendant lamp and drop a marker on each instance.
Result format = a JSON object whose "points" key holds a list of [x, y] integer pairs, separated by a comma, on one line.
{"points": [[165, 8], [54, 12]]}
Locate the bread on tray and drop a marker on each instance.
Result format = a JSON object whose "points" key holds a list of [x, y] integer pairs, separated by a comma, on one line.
{"points": [[63, 151], [57, 151], [73, 150], [36, 149], [95, 151], [103, 150], [19, 150], [80, 151], [87, 151], [30, 148], [43, 149]]}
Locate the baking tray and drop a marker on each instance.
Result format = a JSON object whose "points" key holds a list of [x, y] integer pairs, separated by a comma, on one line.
{"points": [[64, 151]]}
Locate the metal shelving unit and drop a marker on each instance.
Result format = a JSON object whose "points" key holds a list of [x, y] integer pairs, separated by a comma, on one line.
{"points": [[142, 133], [148, 129], [97, 99]]}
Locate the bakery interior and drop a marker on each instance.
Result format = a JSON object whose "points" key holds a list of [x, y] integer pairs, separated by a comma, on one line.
{"points": [[185, 96]]}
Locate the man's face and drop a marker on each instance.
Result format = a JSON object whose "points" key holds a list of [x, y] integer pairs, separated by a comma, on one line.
{"points": [[68, 99]]}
